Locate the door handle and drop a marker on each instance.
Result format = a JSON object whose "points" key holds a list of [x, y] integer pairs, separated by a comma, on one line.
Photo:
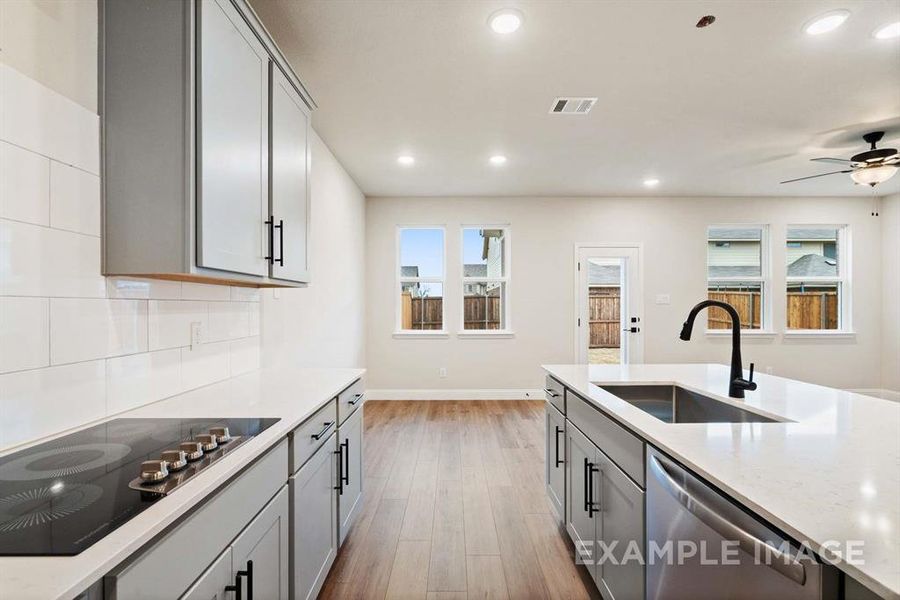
{"points": [[345, 471], [237, 587], [587, 477], [592, 468], [559, 430], [340, 474], [551, 392], [248, 573], [318, 436], [280, 228], [356, 398], [271, 255], [632, 329]]}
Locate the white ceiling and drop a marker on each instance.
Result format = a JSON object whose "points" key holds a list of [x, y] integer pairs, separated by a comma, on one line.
{"points": [[728, 110]]}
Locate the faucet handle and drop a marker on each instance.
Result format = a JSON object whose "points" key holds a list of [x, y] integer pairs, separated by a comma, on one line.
{"points": [[751, 373]]}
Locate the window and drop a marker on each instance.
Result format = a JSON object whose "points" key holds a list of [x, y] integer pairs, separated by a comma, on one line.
{"points": [[420, 269], [737, 273], [485, 276], [816, 278]]}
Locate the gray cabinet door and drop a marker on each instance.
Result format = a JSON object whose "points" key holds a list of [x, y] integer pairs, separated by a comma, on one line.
{"points": [[232, 142], [555, 463], [314, 503], [350, 439], [265, 543], [289, 155], [211, 585], [621, 506], [581, 521]]}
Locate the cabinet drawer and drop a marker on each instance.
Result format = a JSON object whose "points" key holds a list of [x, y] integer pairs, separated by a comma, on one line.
{"points": [[168, 566], [311, 434], [622, 446], [555, 393], [350, 399]]}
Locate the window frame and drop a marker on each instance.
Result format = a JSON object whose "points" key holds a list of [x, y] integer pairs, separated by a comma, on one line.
{"points": [[400, 280], [764, 279], [506, 322], [843, 281]]}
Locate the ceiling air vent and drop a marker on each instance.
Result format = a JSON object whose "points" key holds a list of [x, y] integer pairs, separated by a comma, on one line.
{"points": [[572, 106]]}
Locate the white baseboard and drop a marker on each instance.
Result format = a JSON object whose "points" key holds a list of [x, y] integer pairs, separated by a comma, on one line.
{"points": [[455, 394], [879, 393]]}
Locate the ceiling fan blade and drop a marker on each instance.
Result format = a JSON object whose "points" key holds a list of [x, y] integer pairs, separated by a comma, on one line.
{"points": [[840, 161], [819, 175]]}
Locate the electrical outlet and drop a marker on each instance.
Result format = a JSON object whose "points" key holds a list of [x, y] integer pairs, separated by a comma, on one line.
{"points": [[442, 372], [196, 333], [663, 299]]}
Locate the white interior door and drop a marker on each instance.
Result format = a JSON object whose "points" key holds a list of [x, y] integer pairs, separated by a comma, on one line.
{"points": [[609, 323]]}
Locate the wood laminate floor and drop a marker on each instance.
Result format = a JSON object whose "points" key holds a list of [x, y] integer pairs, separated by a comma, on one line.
{"points": [[455, 508]]}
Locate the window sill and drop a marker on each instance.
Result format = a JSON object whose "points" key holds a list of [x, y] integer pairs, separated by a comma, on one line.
{"points": [[754, 333], [434, 334], [488, 333], [830, 334]]}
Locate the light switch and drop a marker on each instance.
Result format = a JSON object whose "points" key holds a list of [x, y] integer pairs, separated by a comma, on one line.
{"points": [[663, 299]]}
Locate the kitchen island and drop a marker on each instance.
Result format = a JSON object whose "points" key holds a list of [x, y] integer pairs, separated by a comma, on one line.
{"points": [[291, 394], [822, 466]]}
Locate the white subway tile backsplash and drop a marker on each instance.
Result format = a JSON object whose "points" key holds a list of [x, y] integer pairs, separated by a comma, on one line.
{"points": [[244, 355], [44, 401], [170, 322], [38, 261], [24, 333], [74, 199], [228, 320], [37, 118], [139, 379], [244, 294], [203, 291], [204, 364], [85, 329], [154, 289], [254, 309], [24, 185]]}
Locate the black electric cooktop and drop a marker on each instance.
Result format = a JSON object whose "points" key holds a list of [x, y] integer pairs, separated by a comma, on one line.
{"points": [[60, 497]]}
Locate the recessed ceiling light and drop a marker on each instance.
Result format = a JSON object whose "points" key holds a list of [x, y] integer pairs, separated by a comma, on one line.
{"points": [[406, 160], [506, 21], [498, 159], [827, 22], [651, 182], [888, 32]]}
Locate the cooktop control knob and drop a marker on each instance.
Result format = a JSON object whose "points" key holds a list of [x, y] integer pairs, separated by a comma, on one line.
{"points": [[175, 459], [207, 441], [154, 470], [192, 450], [221, 433]]}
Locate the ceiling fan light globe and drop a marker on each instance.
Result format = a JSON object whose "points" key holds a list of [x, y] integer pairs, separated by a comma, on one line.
{"points": [[872, 176]]}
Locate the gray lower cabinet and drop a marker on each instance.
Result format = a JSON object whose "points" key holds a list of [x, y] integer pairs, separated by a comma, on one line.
{"points": [[263, 550], [555, 463], [604, 518], [350, 453], [314, 542], [212, 584]]}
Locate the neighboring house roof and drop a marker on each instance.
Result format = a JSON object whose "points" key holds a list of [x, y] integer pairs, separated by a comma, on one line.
{"points": [[813, 265], [409, 271], [800, 234], [724, 233], [603, 274], [474, 270]]}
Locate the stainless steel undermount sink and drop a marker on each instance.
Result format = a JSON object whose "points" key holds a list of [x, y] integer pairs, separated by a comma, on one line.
{"points": [[675, 404]]}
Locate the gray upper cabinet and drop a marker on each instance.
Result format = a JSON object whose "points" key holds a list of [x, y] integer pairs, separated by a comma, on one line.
{"points": [[204, 140], [232, 144], [289, 180]]}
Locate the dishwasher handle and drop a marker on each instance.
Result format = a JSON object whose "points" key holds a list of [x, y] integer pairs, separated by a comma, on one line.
{"points": [[785, 564]]}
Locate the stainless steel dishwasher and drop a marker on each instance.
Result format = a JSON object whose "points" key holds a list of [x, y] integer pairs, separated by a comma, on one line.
{"points": [[754, 562]]}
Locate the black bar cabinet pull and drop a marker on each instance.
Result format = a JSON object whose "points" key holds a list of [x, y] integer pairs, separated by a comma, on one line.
{"points": [[587, 485], [317, 436], [340, 474], [249, 574], [271, 256], [345, 470], [559, 430], [592, 468], [280, 228], [356, 398], [237, 588]]}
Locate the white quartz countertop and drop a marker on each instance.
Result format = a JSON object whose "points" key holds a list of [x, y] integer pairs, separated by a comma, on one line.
{"points": [[289, 393], [831, 475]]}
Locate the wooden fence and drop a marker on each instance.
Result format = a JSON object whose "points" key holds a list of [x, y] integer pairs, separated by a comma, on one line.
{"points": [[481, 312], [421, 313], [805, 310], [603, 317]]}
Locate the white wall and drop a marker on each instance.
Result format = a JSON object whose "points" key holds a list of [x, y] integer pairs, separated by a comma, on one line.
{"points": [[673, 232], [323, 324], [75, 346], [890, 348]]}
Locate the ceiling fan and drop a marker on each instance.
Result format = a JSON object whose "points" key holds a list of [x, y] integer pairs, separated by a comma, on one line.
{"points": [[874, 166]]}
